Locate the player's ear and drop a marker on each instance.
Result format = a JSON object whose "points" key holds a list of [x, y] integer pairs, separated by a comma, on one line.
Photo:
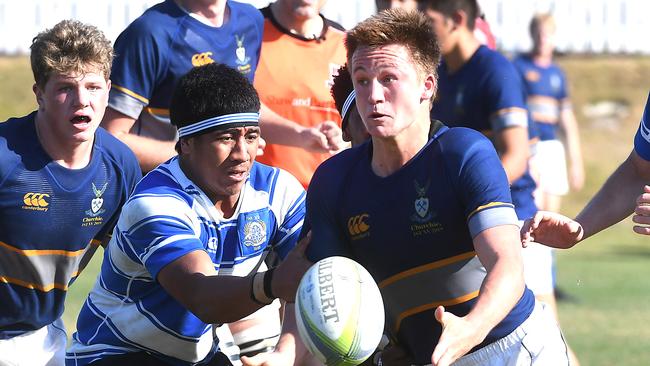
{"points": [[39, 94], [428, 87]]}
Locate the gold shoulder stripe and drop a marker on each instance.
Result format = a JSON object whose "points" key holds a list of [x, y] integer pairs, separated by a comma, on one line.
{"points": [[131, 94], [491, 204]]}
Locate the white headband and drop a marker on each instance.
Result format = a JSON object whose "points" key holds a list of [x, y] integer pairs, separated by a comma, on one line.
{"points": [[235, 118], [347, 104]]}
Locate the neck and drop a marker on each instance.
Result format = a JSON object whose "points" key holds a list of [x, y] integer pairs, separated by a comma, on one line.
{"points": [[541, 59], [71, 155], [304, 27], [391, 154], [463, 50], [215, 11]]}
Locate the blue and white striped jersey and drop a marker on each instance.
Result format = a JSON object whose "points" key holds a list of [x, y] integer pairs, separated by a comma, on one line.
{"points": [[167, 217]]}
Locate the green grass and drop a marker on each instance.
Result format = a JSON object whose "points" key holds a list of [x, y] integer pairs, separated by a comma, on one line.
{"points": [[609, 274]]}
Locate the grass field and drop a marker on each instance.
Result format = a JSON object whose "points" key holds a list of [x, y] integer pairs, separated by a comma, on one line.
{"points": [[608, 274]]}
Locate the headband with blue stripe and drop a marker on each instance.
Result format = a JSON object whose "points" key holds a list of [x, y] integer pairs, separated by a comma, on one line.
{"points": [[347, 104], [248, 119]]}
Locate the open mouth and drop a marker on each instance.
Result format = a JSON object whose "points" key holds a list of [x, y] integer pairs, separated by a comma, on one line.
{"points": [[80, 119]]}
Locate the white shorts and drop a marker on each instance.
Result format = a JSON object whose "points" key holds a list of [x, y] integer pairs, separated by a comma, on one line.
{"points": [[537, 342], [45, 346], [538, 268], [550, 162]]}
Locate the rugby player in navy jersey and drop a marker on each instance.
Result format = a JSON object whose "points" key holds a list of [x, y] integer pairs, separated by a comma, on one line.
{"points": [[626, 191], [427, 210], [63, 181]]}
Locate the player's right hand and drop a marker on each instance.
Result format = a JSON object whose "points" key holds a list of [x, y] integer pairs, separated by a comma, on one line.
{"points": [[288, 274], [551, 229]]}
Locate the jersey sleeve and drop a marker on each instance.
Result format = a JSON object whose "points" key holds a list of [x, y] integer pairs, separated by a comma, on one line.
{"points": [[481, 182], [289, 197], [326, 237], [139, 63], [642, 138], [506, 98], [155, 230]]}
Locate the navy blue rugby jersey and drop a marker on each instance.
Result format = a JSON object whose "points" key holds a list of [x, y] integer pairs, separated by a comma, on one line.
{"points": [[165, 42], [486, 94], [413, 230], [547, 95], [52, 219]]}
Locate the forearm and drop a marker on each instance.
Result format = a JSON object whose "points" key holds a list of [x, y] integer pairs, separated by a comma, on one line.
{"points": [[279, 130], [149, 152], [514, 164], [500, 291], [570, 126], [499, 250], [616, 198], [290, 343]]}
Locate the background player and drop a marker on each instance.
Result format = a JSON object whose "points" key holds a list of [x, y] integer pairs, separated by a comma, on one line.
{"points": [[204, 218], [551, 111], [63, 181], [445, 186], [301, 50], [354, 131], [164, 43]]}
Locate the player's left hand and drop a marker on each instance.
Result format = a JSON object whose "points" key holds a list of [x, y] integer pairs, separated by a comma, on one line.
{"points": [[642, 213], [576, 177], [457, 338], [551, 229]]}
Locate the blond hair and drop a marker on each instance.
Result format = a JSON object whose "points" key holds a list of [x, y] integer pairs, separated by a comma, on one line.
{"points": [[410, 29], [70, 47], [541, 19]]}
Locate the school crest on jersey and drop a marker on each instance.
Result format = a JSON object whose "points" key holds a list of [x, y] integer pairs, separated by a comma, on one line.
{"points": [[421, 203], [253, 232], [243, 61], [98, 202]]}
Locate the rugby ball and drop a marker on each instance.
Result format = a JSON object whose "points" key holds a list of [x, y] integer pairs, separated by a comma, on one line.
{"points": [[339, 312]]}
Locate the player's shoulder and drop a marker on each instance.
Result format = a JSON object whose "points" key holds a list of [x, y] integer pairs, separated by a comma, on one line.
{"points": [[494, 60], [244, 12], [334, 170], [115, 149], [462, 141], [267, 178], [156, 20], [17, 137]]}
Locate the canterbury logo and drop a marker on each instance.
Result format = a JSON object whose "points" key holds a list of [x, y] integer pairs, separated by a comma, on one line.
{"points": [[36, 199], [357, 225], [201, 59]]}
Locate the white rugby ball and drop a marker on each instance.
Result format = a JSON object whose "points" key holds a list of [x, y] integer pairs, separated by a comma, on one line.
{"points": [[339, 311]]}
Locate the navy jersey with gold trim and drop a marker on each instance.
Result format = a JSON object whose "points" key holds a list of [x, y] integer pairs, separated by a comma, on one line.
{"points": [[413, 230], [165, 42], [51, 220], [486, 94]]}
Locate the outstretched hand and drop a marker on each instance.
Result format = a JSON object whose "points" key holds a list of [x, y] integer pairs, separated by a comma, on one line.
{"points": [[288, 274], [551, 229], [642, 213], [274, 358], [458, 337]]}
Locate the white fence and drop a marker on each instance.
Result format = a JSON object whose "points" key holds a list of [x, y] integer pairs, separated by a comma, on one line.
{"points": [[614, 26]]}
